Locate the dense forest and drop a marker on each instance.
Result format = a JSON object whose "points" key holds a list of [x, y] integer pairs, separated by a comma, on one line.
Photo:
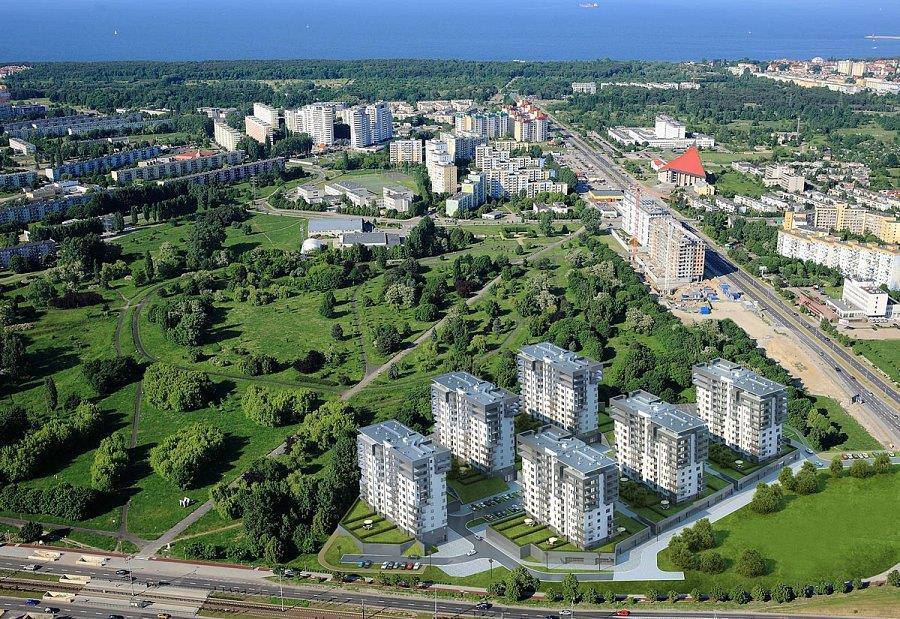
{"points": [[183, 86]]}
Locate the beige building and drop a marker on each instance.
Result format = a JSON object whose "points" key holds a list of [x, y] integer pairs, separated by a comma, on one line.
{"points": [[406, 151], [226, 136], [676, 256], [258, 129], [856, 220]]}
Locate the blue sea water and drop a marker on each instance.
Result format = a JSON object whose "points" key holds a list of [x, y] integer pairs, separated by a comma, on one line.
{"points": [[33, 30]]}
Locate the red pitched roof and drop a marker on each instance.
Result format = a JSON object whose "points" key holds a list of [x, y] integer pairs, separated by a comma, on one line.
{"points": [[689, 163]]}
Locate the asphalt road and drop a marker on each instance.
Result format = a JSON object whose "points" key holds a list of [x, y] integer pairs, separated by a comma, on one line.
{"points": [[876, 391]]}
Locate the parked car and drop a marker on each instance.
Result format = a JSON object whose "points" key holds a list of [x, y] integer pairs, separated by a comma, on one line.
{"points": [[384, 565], [50, 610], [471, 552], [289, 573], [417, 565], [367, 563], [623, 612], [409, 565]]}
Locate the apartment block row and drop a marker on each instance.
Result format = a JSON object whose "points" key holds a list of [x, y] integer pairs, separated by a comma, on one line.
{"points": [[506, 175], [101, 165], [37, 211], [316, 120], [79, 125], [369, 124], [231, 174], [839, 216], [180, 164], [860, 261]]}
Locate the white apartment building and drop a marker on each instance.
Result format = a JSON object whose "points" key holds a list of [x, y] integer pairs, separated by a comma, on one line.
{"points": [[226, 136], [636, 217], [559, 387], [872, 301], [568, 485], [403, 476], [531, 129], [441, 168], [267, 114], [660, 445], [462, 147], [316, 120], [506, 175], [784, 176], [490, 125], [21, 146], [475, 420], [589, 88], [370, 124], [866, 262], [470, 196], [258, 129], [676, 255], [177, 165], [406, 151], [741, 408], [397, 198]]}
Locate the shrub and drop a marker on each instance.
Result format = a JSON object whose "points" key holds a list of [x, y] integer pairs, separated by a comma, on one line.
{"points": [[173, 389], [272, 408], [836, 467], [760, 593], [181, 458], [739, 594], [893, 578], [881, 464], [30, 532], [766, 499], [309, 363], [718, 593], [712, 563], [782, 593], [110, 463], [258, 364], [61, 501], [861, 469], [108, 375], [751, 563], [696, 595]]}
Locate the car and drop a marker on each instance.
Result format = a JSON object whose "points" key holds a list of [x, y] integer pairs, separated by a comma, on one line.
{"points": [[115, 617], [122, 572], [808, 450], [163, 616], [367, 563], [389, 565], [865, 455], [384, 565], [31, 567], [565, 613], [360, 564], [289, 573], [623, 612], [471, 553], [415, 557], [409, 566], [32, 602], [479, 538], [483, 605], [417, 565], [51, 610]]}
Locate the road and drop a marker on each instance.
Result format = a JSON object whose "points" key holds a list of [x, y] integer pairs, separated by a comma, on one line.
{"points": [[876, 391]]}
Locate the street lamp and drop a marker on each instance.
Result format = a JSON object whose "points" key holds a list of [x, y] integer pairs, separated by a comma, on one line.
{"points": [[491, 567]]}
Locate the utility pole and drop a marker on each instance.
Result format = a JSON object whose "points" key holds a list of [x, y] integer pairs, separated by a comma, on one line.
{"points": [[281, 586]]}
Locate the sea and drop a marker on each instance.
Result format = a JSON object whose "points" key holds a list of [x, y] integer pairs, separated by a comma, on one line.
{"points": [[52, 30]]}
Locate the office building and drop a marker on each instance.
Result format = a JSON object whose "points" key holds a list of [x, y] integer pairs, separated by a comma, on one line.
{"points": [[559, 387], [870, 300], [659, 444], [258, 129], [181, 164], [667, 133], [860, 261], [675, 257], [397, 198], [474, 419], [316, 120], [588, 88], [226, 136], [406, 151], [741, 408], [403, 477], [568, 485], [267, 114], [101, 165]]}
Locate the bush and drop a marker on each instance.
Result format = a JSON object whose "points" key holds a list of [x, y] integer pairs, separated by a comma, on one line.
{"points": [[272, 408], [61, 501], [173, 389], [782, 593], [751, 563], [767, 499], [310, 363], [739, 594], [893, 578], [258, 364], [861, 469], [106, 376], [181, 458], [30, 532], [760, 593], [712, 563], [110, 463]]}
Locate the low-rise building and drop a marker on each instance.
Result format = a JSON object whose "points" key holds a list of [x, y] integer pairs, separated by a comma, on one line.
{"points": [[370, 239], [313, 194], [403, 477], [335, 226], [353, 191], [474, 419], [668, 133], [659, 444], [568, 485], [685, 170], [21, 146], [741, 409], [397, 198], [868, 298], [588, 88], [783, 176]]}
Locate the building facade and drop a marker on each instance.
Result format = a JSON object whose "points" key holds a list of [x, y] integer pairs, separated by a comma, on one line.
{"points": [[403, 476], [406, 151], [676, 256], [568, 485], [178, 165], [559, 387], [660, 445], [258, 129], [741, 408], [226, 136], [316, 120], [103, 164]]}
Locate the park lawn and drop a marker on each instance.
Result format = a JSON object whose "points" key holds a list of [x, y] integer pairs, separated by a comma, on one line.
{"points": [[375, 181], [209, 522], [222, 537], [885, 354], [154, 506], [268, 232], [732, 182], [871, 602], [858, 439], [857, 517], [57, 344], [337, 547], [94, 540], [481, 579], [484, 486], [656, 512], [631, 527]]}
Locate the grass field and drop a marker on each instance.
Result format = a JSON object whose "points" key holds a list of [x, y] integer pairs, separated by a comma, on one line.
{"points": [[885, 354], [476, 487], [858, 439], [375, 181], [730, 182], [856, 516]]}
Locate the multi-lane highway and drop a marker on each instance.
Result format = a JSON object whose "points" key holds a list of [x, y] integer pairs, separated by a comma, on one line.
{"points": [[875, 391]]}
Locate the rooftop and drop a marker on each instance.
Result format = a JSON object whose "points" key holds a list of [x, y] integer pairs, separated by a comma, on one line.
{"points": [[327, 224], [396, 436], [472, 387], [572, 452], [688, 163], [659, 412], [741, 377], [560, 357]]}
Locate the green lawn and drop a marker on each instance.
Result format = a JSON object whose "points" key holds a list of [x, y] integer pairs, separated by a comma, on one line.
{"points": [[858, 439], [380, 531], [731, 182], [885, 354], [847, 530], [375, 181], [477, 487]]}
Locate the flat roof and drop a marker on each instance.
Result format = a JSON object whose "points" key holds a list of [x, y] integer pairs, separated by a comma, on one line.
{"points": [[741, 377], [562, 358], [393, 434], [660, 412], [472, 387], [572, 452], [346, 224]]}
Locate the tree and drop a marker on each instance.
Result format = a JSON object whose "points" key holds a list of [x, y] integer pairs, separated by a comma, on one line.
{"points": [[739, 594], [782, 593], [387, 339], [881, 464], [712, 563], [30, 532], [860, 469], [182, 458], [570, 589], [836, 467], [893, 578], [269, 407], [766, 499], [149, 269], [326, 307], [40, 292], [110, 463], [786, 478], [51, 397], [173, 389], [337, 332], [807, 480], [107, 375], [751, 563]]}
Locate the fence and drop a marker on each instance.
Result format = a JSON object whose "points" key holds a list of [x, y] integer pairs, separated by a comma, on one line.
{"points": [[768, 469]]}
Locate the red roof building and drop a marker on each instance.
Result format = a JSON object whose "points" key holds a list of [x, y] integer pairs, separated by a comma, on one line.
{"points": [[687, 165]]}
